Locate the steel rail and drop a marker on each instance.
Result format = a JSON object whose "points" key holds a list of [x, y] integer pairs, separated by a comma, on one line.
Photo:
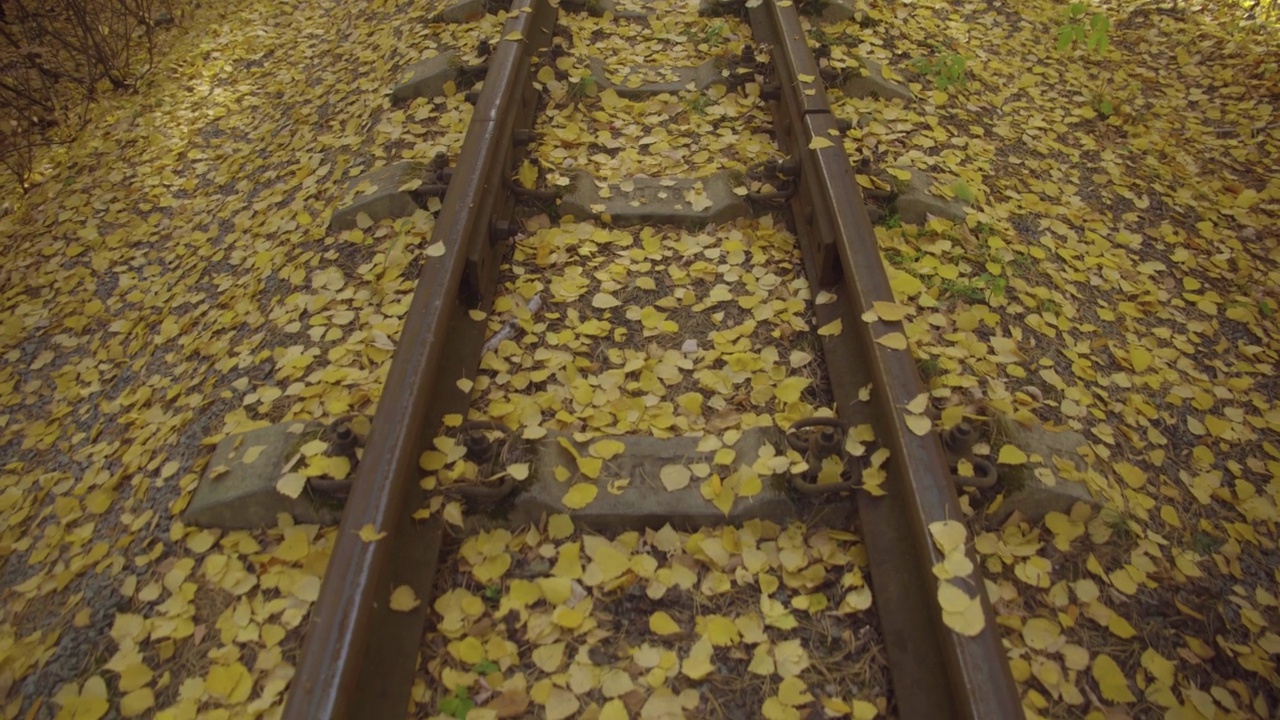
{"points": [[936, 673], [358, 656]]}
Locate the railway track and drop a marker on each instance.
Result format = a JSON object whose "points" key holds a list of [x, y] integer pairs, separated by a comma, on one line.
{"points": [[360, 655]]}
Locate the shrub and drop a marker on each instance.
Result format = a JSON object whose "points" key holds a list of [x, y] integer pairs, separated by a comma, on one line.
{"points": [[56, 56]]}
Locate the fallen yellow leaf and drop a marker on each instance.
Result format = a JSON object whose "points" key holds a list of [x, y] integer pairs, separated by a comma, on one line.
{"points": [[580, 496], [893, 341], [404, 599], [832, 328], [675, 477], [1011, 455], [660, 623], [369, 533]]}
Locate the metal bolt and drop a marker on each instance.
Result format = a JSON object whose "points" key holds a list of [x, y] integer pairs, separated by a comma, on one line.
{"points": [[502, 231], [959, 439]]}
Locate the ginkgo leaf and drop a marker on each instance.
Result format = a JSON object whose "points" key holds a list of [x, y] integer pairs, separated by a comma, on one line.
{"points": [[948, 535], [137, 702], [607, 449], [604, 301], [960, 611], [435, 250], [369, 533], [832, 328], [561, 704], [792, 692], [590, 466], [675, 477], [698, 663], [818, 142], [918, 403], [788, 391], [548, 658], [231, 683], [614, 710], [334, 466], [528, 175], [1132, 475], [831, 470], [252, 454], [660, 623], [1040, 633], [1141, 358], [894, 341], [1011, 455], [404, 599], [291, 484], [579, 496], [890, 312], [1111, 680], [559, 526]]}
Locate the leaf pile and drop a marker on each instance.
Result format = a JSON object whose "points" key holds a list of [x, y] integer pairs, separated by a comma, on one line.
{"points": [[171, 281], [1116, 276], [689, 133], [652, 330], [753, 621]]}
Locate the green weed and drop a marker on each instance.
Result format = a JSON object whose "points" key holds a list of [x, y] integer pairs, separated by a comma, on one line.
{"points": [[899, 258], [1205, 544], [995, 283], [947, 70], [930, 367], [583, 88], [698, 104], [458, 704], [967, 291], [714, 35], [1073, 30]]}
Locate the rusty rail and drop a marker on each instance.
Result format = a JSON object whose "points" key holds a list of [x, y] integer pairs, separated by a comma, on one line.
{"points": [[937, 673], [358, 658]]}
